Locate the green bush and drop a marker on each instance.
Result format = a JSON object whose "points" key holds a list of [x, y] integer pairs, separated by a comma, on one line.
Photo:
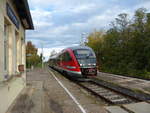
{"points": [[124, 48]]}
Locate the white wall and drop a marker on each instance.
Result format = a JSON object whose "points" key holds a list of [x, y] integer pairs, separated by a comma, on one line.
{"points": [[16, 49]]}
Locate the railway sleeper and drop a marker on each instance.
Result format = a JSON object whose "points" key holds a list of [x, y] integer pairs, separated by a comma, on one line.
{"points": [[95, 88], [100, 91], [92, 87], [113, 97], [123, 100], [105, 94]]}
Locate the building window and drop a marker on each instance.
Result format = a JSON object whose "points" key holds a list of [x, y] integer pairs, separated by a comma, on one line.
{"points": [[5, 45]]}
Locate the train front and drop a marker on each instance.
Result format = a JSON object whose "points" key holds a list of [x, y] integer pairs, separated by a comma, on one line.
{"points": [[87, 61]]}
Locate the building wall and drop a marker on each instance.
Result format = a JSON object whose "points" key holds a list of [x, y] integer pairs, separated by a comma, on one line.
{"points": [[13, 47], [1, 38]]}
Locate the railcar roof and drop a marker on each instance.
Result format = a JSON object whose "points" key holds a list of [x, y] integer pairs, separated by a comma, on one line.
{"points": [[73, 48], [54, 57], [79, 47]]}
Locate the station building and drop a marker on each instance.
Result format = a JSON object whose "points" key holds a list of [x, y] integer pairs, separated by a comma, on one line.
{"points": [[15, 19]]}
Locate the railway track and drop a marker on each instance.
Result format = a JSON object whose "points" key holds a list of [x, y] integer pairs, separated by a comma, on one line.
{"points": [[111, 93], [110, 96]]}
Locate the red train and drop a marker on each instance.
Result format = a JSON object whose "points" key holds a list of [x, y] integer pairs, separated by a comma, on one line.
{"points": [[78, 62]]}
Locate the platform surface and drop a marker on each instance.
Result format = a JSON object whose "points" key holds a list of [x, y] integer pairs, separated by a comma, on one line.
{"points": [[116, 109], [44, 94], [141, 107], [128, 82], [9, 92]]}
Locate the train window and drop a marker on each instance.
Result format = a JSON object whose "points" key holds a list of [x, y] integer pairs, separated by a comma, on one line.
{"points": [[59, 58], [67, 57], [63, 57]]}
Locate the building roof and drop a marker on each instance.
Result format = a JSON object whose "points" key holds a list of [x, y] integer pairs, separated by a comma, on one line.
{"points": [[24, 13]]}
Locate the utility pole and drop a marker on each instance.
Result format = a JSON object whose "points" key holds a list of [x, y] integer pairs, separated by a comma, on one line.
{"points": [[42, 55], [82, 43]]}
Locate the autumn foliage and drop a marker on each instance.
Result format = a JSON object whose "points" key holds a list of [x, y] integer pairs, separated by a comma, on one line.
{"points": [[32, 58]]}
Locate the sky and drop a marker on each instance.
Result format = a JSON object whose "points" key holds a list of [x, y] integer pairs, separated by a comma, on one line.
{"points": [[61, 23]]}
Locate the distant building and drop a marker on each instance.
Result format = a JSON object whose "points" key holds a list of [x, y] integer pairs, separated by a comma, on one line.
{"points": [[15, 18]]}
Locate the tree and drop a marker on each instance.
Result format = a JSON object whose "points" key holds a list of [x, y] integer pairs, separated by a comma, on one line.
{"points": [[30, 48], [124, 48], [33, 58], [95, 40]]}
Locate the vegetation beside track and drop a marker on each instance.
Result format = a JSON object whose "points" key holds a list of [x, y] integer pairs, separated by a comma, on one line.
{"points": [[33, 59], [124, 49]]}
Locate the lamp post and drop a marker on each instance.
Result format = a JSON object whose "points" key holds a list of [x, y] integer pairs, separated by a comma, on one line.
{"points": [[42, 54]]}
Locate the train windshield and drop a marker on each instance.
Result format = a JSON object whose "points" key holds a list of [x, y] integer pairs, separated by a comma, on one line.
{"points": [[85, 56], [84, 53]]}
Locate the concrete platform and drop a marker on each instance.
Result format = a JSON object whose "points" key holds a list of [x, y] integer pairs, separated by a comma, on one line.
{"points": [[45, 95], [9, 91], [115, 109], [141, 107], [128, 82]]}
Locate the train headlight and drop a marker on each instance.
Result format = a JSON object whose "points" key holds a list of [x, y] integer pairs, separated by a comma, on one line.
{"points": [[81, 64]]}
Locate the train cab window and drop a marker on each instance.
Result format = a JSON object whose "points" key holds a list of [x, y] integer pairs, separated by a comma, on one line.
{"points": [[66, 57], [62, 57]]}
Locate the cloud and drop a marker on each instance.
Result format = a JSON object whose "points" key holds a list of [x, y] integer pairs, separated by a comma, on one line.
{"points": [[47, 51], [144, 4], [41, 17], [60, 23], [84, 8]]}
